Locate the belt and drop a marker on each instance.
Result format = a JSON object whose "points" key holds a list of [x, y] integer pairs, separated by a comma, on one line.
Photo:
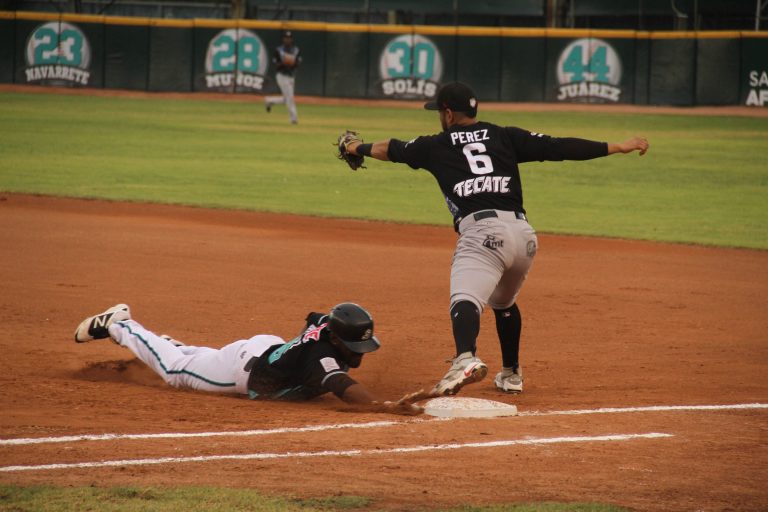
{"points": [[487, 214]]}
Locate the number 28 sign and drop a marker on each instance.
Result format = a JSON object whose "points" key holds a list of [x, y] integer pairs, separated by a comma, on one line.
{"points": [[236, 58]]}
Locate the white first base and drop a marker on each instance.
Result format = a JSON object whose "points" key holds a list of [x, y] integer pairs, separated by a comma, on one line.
{"points": [[454, 407]]}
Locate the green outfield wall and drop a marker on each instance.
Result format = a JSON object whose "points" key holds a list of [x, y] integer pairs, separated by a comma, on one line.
{"points": [[387, 61]]}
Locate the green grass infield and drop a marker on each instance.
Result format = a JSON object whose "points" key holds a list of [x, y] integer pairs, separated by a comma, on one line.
{"points": [[704, 180]]}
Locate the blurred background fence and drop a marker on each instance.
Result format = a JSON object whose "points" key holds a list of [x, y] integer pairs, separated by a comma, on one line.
{"points": [[405, 61], [624, 14]]}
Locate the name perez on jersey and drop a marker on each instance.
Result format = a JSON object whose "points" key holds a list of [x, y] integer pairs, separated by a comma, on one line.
{"points": [[467, 137]]}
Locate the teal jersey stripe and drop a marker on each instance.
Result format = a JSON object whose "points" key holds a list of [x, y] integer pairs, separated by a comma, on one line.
{"points": [[175, 372]]}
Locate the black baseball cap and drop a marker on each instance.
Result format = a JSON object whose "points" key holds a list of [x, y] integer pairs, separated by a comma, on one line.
{"points": [[287, 33], [456, 96]]}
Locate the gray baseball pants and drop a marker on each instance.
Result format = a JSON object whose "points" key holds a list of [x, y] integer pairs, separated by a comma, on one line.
{"points": [[492, 258], [286, 84]]}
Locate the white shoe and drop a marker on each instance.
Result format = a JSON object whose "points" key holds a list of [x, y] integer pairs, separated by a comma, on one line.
{"points": [[97, 327], [465, 369], [510, 380]]}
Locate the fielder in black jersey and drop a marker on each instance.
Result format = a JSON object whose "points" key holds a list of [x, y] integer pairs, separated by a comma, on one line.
{"points": [[286, 59], [263, 367], [476, 166]]}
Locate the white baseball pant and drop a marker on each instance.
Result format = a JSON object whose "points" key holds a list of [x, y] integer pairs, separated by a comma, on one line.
{"points": [[187, 367], [286, 84]]}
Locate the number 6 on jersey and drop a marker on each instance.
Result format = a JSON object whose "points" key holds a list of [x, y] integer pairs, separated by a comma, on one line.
{"points": [[478, 163]]}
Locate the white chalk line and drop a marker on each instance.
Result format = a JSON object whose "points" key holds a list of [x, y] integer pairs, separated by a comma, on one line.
{"points": [[373, 424], [176, 435], [337, 453], [651, 408]]}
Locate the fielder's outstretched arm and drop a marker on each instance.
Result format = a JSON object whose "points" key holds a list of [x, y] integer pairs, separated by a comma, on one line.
{"points": [[378, 150], [634, 144]]}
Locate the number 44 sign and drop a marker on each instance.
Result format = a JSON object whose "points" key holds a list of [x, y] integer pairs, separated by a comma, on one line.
{"points": [[589, 69]]}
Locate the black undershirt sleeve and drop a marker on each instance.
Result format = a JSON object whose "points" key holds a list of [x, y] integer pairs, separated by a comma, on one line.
{"points": [[338, 383], [415, 153], [531, 146], [570, 148], [395, 150]]}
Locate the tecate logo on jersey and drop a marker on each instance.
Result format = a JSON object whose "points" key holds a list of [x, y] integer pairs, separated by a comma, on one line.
{"points": [[236, 58], [410, 67], [482, 184], [589, 69], [58, 53]]}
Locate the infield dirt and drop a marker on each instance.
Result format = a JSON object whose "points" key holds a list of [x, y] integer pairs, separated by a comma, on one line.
{"points": [[607, 323]]}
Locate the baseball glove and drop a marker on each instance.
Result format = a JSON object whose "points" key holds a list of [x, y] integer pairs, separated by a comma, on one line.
{"points": [[353, 161], [288, 59]]}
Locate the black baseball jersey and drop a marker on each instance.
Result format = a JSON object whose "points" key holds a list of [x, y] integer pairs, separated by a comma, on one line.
{"points": [[476, 165], [304, 367], [283, 65]]}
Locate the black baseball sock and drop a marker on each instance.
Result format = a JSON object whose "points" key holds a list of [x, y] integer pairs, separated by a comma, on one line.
{"points": [[466, 326], [509, 323]]}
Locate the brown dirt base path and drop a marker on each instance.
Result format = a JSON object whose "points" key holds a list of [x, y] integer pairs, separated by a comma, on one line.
{"points": [[608, 323]]}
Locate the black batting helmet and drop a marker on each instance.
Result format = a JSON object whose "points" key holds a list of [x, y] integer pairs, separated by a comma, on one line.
{"points": [[353, 325]]}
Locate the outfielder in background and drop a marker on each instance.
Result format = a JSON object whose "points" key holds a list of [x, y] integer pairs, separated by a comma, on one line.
{"points": [[263, 367], [476, 166], [286, 58]]}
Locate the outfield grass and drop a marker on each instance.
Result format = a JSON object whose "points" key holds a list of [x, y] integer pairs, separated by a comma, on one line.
{"points": [[705, 179], [211, 499]]}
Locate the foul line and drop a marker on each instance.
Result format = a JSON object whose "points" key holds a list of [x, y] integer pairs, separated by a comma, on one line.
{"points": [[344, 453], [175, 435], [651, 408], [373, 424]]}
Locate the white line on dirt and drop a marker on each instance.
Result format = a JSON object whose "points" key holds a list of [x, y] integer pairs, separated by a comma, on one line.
{"points": [[174, 435], [652, 408], [373, 424], [344, 453]]}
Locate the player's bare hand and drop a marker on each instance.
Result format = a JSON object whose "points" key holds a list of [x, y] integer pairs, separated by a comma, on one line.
{"points": [[402, 408], [634, 144]]}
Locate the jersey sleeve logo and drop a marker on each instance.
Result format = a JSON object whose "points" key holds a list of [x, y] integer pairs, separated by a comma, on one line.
{"points": [[313, 333], [329, 364]]}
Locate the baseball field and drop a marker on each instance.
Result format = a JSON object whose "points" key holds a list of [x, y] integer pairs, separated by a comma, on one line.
{"points": [[644, 345]]}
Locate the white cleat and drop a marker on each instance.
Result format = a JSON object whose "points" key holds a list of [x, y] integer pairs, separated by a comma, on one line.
{"points": [[465, 369], [97, 327], [509, 380]]}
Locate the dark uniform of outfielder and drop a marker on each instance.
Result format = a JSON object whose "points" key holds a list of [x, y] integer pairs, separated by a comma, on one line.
{"points": [[476, 166], [286, 59]]}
